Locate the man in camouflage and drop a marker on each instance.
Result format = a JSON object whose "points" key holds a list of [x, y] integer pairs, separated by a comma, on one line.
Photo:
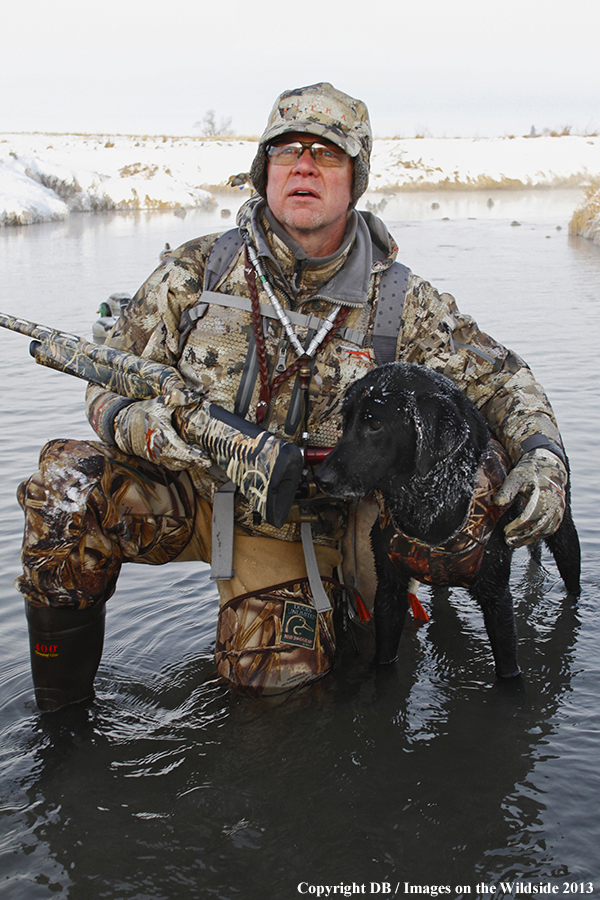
{"points": [[142, 493]]}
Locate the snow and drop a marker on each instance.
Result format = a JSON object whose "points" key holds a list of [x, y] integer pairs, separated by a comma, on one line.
{"points": [[48, 176]]}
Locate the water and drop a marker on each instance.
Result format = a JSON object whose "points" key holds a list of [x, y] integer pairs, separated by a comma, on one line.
{"points": [[170, 787]]}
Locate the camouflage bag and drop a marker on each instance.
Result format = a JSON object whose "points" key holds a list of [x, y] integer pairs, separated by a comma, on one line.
{"points": [[277, 640]]}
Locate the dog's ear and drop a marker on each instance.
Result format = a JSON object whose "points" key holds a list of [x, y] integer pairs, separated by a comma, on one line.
{"points": [[440, 429]]}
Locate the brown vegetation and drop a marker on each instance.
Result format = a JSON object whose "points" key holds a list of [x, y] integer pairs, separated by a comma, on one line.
{"points": [[586, 218]]}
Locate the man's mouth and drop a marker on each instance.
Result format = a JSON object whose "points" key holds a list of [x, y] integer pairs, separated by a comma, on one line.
{"points": [[300, 192]]}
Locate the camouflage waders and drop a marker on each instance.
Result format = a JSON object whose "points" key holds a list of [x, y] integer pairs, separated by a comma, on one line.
{"points": [[90, 508]]}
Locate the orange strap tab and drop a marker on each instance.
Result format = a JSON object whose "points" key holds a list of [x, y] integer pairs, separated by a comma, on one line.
{"points": [[363, 613], [416, 608]]}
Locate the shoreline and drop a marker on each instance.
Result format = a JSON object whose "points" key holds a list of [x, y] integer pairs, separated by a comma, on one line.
{"points": [[46, 176]]}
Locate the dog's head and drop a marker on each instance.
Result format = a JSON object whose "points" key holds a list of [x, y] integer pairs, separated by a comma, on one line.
{"points": [[399, 422]]}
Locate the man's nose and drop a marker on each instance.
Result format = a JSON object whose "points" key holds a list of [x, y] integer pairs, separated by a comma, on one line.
{"points": [[305, 163]]}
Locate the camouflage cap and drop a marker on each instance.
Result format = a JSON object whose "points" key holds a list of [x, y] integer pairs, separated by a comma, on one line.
{"points": [[322, 110]]}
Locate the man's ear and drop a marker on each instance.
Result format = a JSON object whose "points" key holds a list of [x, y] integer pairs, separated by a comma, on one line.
{"points": [[440, 429]]}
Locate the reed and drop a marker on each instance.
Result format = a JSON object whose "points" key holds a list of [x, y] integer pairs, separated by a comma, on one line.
{"points": [[586, 218]]}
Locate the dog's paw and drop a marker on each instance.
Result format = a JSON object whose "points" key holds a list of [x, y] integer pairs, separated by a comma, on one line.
{"points": [[507, 676]]}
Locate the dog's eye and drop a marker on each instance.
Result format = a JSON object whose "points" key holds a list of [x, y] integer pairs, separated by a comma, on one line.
{"points": [[374, 425]]}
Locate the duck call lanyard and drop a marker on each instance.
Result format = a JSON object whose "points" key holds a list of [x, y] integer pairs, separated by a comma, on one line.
{"points": [[302, 365]]}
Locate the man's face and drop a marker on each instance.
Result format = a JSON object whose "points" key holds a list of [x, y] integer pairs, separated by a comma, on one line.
{"points": [[311, 201]]}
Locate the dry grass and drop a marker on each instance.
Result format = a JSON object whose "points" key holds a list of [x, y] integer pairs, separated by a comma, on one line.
{"points": [[586, 218], [138, 169]]}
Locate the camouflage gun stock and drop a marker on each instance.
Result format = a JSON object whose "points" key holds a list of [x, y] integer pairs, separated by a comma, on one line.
{"points": [[265, 468]]}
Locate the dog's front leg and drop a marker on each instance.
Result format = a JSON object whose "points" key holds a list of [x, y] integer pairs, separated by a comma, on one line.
{"points": [[492, 593], [391, 602]]}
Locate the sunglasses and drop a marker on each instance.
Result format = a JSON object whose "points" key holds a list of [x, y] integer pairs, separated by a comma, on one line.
{"points": [[288, 154]]}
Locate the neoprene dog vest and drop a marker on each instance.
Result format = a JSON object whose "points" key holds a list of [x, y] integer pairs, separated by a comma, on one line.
{"points": [[456, 562]]}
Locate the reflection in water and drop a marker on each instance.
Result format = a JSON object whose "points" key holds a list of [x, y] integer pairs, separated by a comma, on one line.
{"points": [[430, 771], [424, 769]]}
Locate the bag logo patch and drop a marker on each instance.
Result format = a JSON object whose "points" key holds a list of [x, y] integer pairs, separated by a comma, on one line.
{"points": [[299, 625]]}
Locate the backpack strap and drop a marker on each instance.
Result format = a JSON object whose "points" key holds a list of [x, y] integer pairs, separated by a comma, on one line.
{"points": [[223, 252], [221, 564], [388, 318], [221, 256]]}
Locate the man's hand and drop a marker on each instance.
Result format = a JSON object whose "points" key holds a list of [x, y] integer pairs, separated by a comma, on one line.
{"points": [[145, 430], [541, 478]]}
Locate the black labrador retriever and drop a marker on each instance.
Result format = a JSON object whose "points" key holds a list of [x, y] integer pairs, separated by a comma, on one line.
{"points": [[414, 438]]}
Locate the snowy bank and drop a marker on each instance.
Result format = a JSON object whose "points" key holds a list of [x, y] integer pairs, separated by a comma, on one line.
{"points": [[484, 163], [48, 176], [586, 218]]}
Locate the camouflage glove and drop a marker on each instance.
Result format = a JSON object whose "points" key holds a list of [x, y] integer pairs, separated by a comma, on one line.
{"points": [[145, 430], [541, 477]]}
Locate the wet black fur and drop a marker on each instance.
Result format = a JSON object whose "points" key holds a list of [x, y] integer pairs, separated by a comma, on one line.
{"points": [[411, 434]]}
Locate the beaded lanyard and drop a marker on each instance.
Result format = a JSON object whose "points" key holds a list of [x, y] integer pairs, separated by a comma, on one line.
{"points": [[326, 332]]}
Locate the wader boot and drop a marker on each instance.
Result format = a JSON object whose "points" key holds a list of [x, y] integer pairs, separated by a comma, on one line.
{"points": [[66, 646]]}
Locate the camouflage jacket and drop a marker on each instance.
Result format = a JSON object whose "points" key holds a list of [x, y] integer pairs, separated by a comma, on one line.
{"points": [[213, 354]]}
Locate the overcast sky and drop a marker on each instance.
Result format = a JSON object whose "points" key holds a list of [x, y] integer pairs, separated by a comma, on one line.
{"points": [[438, 67]]}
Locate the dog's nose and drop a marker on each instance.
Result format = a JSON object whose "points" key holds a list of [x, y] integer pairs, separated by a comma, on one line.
{"points": [[324, 477]]}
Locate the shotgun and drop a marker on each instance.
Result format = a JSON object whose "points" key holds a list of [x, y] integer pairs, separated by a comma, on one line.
{"points": [[266, 469]]}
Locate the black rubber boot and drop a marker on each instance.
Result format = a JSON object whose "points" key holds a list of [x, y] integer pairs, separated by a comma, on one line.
{"points": [[66, 646]]}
